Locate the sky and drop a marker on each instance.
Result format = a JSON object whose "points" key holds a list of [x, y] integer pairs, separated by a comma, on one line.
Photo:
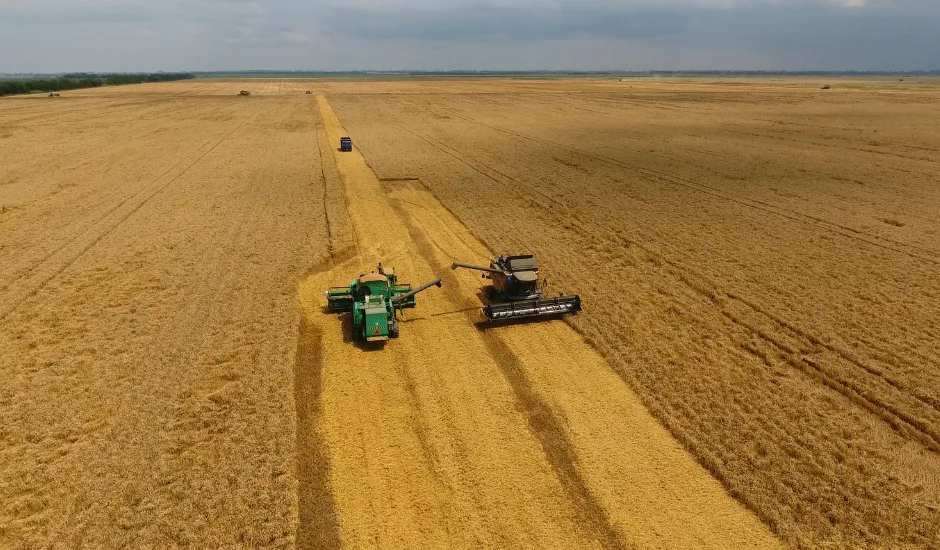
{"points": [[204, 35]]}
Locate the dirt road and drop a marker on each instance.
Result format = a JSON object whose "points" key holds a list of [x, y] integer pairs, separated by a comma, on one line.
{"points": [[458, 435]]}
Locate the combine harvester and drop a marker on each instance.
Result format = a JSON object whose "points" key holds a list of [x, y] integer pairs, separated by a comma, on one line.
{"points": [[517, 293], [374, 299]]}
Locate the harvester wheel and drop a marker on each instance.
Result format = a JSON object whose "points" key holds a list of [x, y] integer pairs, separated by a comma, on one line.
{"points": [[393, 331]]}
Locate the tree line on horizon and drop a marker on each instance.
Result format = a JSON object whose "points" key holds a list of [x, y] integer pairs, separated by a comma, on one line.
{"points": [[465, 72], [74, 81]]}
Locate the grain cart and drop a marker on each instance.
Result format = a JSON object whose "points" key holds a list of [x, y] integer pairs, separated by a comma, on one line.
{"points": [[345, 144], [374, 299], [517, 292]]}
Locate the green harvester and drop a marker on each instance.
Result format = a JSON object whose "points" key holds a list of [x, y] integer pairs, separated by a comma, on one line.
{"points": [[374, 299]]}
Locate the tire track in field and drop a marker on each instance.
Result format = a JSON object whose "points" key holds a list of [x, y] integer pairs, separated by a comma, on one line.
{"points": [[543, 423], [686, 147], [809, 338], [904, 423], [608, 112], [425, 433], [317, 526], [188, 411], [859, 148], [800, 357], [520, 436], [318, 517], [93, 237], [63, 116], [90, 160], [458, 156], [338, 225], [206, 302], [800, 217]]}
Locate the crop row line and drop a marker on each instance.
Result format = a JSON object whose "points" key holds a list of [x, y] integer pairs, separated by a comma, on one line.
{"points": [[903, 422], [151, 190], [796, 216], [543, 422]]}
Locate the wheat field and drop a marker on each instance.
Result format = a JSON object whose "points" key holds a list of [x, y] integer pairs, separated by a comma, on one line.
{"points": [[756, 365]]}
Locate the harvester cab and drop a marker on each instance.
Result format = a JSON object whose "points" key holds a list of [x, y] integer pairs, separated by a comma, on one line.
{"points": [[517, 292], [522, 280], [374, 299]]}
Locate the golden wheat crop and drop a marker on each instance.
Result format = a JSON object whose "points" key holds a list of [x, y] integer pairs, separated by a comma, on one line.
{"points": [[151, 240], [759, 262], [756, 361]]}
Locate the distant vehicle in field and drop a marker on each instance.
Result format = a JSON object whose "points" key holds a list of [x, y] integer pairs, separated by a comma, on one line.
{"points": [[308, 92], [244, 92], [827, 87], [345, 144], [53, 94]]}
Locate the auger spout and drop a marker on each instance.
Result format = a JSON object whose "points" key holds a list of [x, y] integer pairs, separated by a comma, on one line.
{"points": [[401, 299], [455, 265]]}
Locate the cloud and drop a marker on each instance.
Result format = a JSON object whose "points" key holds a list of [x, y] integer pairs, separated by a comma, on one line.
{"points": [[295, 37], [474, 23], [442, 34]]}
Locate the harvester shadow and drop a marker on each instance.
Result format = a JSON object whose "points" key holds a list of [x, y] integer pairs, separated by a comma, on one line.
{"points": [[486, 324], [318, 521], [543, 424], [347, 328], [440, 314]]}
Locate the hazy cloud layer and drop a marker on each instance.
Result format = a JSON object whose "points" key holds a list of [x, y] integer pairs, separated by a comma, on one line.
{"points": [[65, 35]]}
